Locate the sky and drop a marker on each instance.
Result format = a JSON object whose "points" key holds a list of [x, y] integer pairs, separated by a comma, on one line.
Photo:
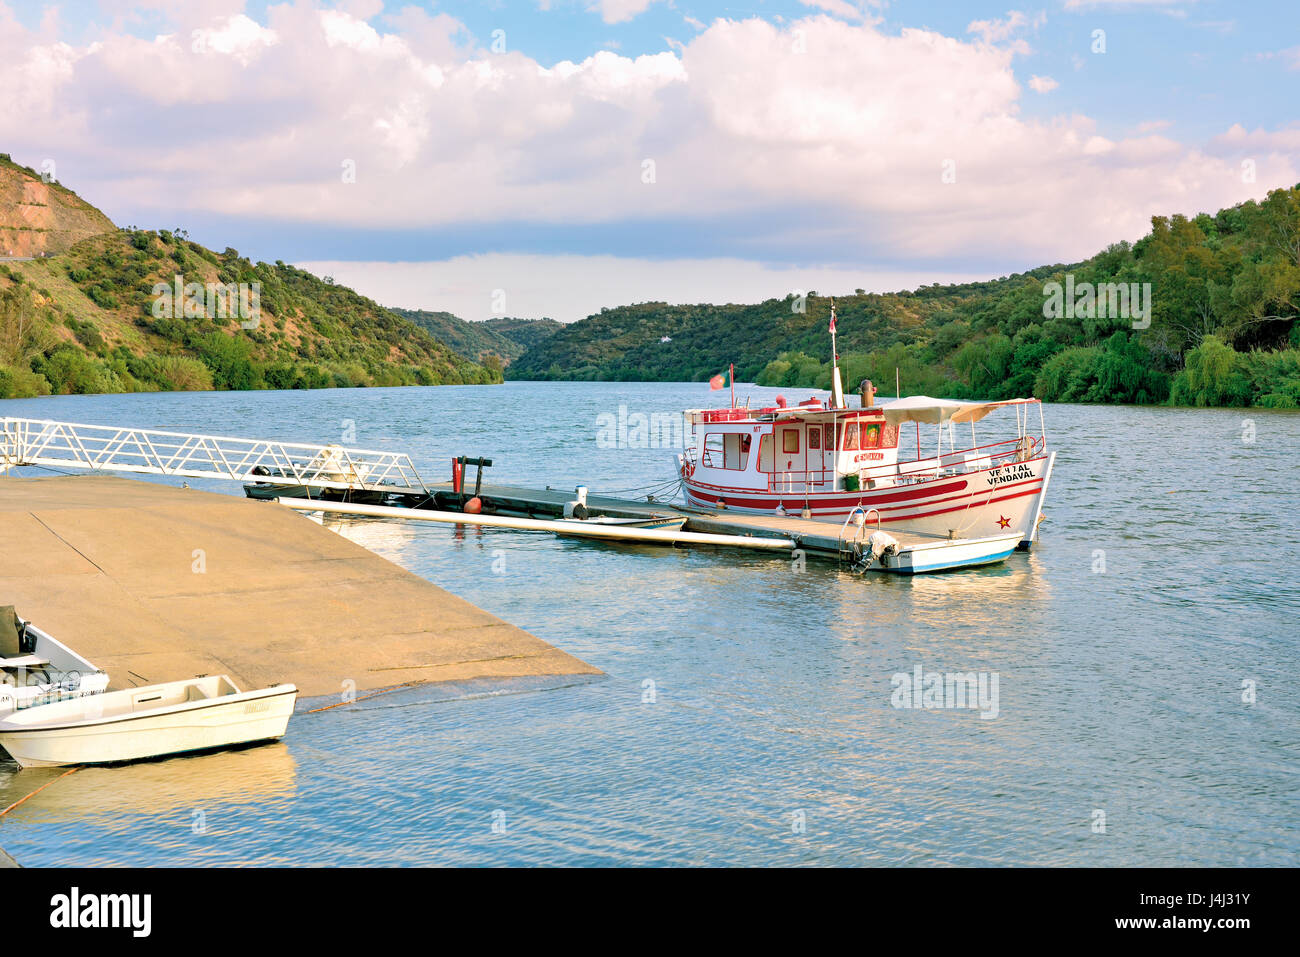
{"points": [[553, 157]]}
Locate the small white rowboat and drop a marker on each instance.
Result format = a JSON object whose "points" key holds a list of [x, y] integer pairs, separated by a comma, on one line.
{"points": [[195, 715]]}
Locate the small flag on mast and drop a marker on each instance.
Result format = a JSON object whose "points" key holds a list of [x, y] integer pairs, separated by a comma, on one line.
{"points": [[718, 382], [832, 329]]}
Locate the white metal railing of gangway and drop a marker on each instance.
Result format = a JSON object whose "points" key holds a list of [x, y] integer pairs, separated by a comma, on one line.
{"points": [[69, 445]]}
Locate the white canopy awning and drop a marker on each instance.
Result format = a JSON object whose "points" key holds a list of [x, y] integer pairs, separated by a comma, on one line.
{"points": [[922, 408]]}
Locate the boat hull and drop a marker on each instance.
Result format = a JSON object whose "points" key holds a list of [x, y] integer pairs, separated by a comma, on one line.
{"points": [[948, 556], [991, 501], [252, 717]]}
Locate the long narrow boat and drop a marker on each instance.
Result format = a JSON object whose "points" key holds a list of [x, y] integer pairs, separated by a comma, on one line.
{"points": [[824, 459], [174, 718], [668, 535], [607, 521], [37, 669]]}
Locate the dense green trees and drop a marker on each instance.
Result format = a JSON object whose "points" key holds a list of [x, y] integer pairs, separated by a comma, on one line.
{"points": [[1201, 311], [309, 334], [494, 342]]}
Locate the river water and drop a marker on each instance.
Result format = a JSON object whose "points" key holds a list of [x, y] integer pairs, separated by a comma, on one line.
{"points": [[1145, 655]]}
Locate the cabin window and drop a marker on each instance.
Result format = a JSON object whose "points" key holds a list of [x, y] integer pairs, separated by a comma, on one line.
{"points": [[726, 450], [828, 436], [849, 437], [814, 438], [765, 453], [790, 440], [735, 451], [889, 437], [871, 435], [713, 453]]}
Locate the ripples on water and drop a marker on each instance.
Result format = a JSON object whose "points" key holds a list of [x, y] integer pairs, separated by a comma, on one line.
{"points": [[1118, 691]]}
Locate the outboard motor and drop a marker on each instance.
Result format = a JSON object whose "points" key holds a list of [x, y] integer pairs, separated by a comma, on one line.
{"points": [[578, 507]]}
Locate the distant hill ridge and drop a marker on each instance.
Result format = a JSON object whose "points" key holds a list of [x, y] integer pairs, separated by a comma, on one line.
{"points": [[503, 338]]}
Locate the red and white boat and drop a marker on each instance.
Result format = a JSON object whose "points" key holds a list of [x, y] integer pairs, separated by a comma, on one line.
{"points": [[821, 460]]}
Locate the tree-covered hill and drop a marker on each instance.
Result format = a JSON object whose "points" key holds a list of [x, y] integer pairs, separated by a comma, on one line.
{"points": [[1221, 328], [103, 316], [659, 342], [502, 339]]}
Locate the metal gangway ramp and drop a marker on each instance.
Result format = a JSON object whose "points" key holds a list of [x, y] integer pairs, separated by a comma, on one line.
{"points": [[69, 445]]}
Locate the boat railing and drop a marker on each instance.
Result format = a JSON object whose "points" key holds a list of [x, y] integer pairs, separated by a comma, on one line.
{"points": [[801, 480], [961, 461]]}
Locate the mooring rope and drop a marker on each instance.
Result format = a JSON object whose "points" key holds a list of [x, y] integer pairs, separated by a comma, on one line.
{"points": [[39, 790]]}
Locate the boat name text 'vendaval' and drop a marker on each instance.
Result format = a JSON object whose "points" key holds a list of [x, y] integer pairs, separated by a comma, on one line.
{"points": [[1010, 473]]}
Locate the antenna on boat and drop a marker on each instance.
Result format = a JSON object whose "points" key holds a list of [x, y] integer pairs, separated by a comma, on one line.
{"points": [[898, 389], [837, 387]]}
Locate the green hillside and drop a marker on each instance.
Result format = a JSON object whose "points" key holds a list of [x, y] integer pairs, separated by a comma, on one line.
{"points": [[496, 342], [102, 316], [1224, 296]]}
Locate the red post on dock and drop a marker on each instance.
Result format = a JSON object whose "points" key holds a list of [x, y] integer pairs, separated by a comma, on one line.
{"points": [[457, 475]]}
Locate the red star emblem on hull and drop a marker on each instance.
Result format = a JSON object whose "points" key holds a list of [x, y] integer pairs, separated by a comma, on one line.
{"points": [[1004, 522]]}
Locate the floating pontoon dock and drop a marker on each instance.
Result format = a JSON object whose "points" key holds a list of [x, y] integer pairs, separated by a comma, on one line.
{"points": [[588, 530], [823, 538], [920, 552]]}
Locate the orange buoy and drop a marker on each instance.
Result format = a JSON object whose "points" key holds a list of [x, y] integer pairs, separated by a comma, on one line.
{"points": [[474, 506]]}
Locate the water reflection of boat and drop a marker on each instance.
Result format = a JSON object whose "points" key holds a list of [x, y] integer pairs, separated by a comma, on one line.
{"points": [[260, 776], [387, 539], [978, 601]]}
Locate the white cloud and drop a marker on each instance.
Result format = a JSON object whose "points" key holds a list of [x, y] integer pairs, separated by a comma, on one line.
{"points": [[572, 287], [619, 11], [1290, 57], [847, 140], [1171, 5], [1236, 140], [1042, 84], [839, 8], [239, 37], [995, 31], [1000, 31]]}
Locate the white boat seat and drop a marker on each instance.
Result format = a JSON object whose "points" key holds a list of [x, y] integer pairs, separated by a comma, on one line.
{"points": [[24, 661]]}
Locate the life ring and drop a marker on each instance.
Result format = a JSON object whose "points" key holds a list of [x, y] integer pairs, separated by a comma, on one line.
{"points": [[689, 469]]}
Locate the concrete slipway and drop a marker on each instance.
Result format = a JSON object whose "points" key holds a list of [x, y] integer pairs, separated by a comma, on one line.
{"points": [[155, 583]]}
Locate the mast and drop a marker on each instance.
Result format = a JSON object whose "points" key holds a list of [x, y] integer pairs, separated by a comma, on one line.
{"points": [[837, 387]]}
